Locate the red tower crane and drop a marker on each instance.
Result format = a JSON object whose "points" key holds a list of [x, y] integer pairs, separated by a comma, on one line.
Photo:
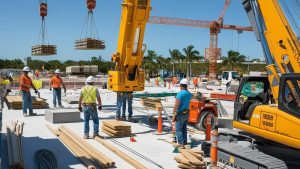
{"points": [[213, 52]]}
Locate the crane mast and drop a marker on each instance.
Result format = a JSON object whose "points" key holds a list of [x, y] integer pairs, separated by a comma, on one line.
{"points": [[128, 76]]}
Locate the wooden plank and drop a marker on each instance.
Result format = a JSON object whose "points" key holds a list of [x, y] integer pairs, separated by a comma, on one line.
{"points": [[197, 151], [97, 156], [124, 156], [115, 124], [116, 132], [192, 159], [115, 135], [181, 159], [84, 158]]}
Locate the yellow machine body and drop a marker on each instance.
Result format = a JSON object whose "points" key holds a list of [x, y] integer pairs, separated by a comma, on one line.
{"points": [[273, 124], [128, 75], [270, 120]]}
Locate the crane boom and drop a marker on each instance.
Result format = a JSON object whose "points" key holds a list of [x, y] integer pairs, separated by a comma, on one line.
{"points": [[194, 23], [221, 17], [128, 76]]}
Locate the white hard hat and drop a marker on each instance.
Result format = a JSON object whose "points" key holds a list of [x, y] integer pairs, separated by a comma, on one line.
{"points": [[184, 81], [26, 69], [90, 79], [57, 71]]}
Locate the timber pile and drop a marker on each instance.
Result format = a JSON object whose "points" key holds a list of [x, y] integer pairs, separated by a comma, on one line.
{"points": [[115, 128], [43, 50], [86, 153], [71, 100], [89, 44], [15, 102], [14, 134], [192, 158], [152, 103]]}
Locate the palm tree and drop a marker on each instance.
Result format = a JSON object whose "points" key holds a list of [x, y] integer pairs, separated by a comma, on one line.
{"points": [[190, 55], [176, 56], [149, 61], [233, 59]]}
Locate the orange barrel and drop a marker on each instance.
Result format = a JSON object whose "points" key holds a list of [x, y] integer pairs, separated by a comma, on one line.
{"points": [[91, 4], [214, 149], [43, 9], [208, 127]]}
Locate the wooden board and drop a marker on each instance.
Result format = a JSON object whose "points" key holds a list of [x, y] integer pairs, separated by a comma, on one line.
{"points": [[113, 135], [191, 158], [117, 125], [115, 132]]}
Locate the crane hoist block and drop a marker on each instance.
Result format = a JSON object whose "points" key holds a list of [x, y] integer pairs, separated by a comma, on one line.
{"points": [[43, 50], [89, 44], [91, 4], [43, 9]]}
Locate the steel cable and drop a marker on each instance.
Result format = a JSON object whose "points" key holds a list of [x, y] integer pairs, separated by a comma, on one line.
{"points": [[45, 159]]}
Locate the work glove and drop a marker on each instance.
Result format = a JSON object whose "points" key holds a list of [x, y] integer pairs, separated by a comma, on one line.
{"points": [[65, 90], [80, 108], [36, 91], [100, 108], [50, 89]]}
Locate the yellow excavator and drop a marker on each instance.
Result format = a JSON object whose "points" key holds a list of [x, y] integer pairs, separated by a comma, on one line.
{"points": [[128, 75], [268, 108]]}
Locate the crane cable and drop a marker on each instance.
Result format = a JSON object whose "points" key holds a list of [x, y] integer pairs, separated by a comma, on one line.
{"points": [[45, 159]]}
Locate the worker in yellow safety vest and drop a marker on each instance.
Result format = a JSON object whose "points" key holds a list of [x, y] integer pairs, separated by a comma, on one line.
{"points": [[89, 95], [5, 85]]}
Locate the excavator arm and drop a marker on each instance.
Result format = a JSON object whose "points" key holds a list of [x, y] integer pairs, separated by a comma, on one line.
{"points": [[128, 75]]}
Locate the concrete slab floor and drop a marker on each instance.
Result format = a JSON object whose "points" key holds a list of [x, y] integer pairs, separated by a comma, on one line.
{"points": [[37, 136]]}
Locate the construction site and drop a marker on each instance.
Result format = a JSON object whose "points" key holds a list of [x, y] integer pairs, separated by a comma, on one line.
{"points": [[139, 109]]}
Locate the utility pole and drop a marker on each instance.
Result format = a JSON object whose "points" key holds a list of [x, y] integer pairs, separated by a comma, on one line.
{"points": [[248, 65]]}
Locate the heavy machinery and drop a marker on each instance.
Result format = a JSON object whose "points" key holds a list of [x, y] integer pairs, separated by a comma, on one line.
{"points": [[128, 75], [268, 108]]}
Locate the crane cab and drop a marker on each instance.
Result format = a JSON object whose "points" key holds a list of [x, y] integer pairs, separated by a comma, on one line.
{"points": [[255, 110]]}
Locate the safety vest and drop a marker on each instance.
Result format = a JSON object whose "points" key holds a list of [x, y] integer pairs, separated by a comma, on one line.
{"points": [[89, 94]]}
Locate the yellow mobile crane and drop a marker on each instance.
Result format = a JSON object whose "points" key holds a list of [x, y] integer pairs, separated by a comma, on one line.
{"points": [[269, 107], [128, 75]]}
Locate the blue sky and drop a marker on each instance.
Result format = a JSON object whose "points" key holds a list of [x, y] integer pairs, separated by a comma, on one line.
{"points": [[20, 25]]}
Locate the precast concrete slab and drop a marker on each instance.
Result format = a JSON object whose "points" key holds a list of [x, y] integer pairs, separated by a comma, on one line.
{"points": [[62, 115]]}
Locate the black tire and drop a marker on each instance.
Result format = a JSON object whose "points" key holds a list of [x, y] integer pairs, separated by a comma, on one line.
{"points": [[200, 125]]}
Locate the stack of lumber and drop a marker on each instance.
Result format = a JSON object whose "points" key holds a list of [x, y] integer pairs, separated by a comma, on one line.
{"points": [[89, 44], [15, 102], [192, 158], [152, 103], [43, 50], [86, 153], [115, 128], [14, 134], [71, 100]]}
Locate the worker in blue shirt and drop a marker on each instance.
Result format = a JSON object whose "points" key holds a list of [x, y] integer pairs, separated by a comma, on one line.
{"points": [[181, 113]]}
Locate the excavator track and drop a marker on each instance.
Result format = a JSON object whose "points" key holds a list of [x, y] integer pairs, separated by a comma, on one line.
{"points": [[238, 156]]}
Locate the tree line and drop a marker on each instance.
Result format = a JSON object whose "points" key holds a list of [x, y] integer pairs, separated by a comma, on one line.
{"points": [[187, 61]]}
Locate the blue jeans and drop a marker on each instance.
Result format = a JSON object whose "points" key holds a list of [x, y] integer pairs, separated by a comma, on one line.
{"points": [[181, 128], [128, 97], [27, 102], [120, 97], [57, 95], [88, 113]]}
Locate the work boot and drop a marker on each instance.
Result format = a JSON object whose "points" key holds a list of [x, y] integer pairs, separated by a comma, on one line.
{"points": [[130, 119], [123, 118], [61, 106], [96, 135], [180, 146], [86, 136], [32, 114], [25, 115], [117, 118]]}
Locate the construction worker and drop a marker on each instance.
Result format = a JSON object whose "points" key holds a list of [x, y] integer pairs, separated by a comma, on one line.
{"points": [[56, 82], [88, 96], [5, 84], [127, 97], [181, 113], [25, 85], [195, 82]]}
